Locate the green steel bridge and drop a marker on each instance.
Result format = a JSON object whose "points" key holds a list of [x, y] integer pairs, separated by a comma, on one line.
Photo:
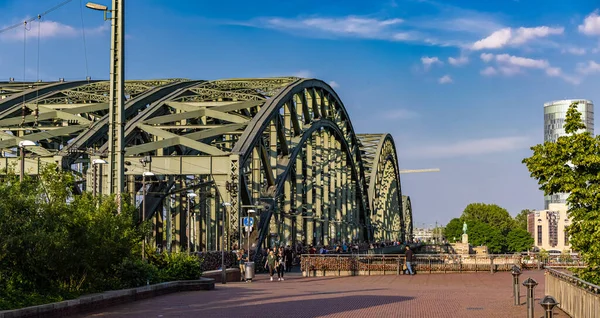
{"points": [[204, 153]]}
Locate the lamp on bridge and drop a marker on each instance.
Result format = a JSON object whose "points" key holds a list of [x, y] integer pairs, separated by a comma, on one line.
{"points": [[22, 145], [191, 196], [223, 270], [95, 164], [98, 7]]}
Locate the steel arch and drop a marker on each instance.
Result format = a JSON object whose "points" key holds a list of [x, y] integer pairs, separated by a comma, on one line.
{"points": [[383, 178], [285, 143]]}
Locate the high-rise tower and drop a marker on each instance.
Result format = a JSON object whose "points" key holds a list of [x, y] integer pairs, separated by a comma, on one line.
{"points": [[554, 119]]}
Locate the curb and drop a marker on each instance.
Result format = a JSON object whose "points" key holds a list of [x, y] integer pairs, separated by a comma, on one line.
{"points": [[107, 299]]}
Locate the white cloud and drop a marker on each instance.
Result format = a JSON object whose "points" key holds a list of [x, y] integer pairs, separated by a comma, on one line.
{"points": [[588, 68], [509, 65], [488, 71], [351, 26], [334, 84], [429, 61], [399, 114], [575, 50], [446, 79], [591, 24], [513, 37], [486, 57], [458, 61], [48, 29], [303, 74], [472, 147], [521, 61]]}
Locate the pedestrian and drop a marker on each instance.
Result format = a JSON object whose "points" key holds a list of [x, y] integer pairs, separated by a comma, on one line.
{"points": [[280, 264], [270, 263], [242, 258], [409, 255]]}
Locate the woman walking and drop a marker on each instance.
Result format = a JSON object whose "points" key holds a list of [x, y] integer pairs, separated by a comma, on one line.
{"points": [[270, 263], [281, 258]]}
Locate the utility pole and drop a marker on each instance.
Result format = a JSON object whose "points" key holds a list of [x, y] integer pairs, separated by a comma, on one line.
{"points": [[117, 96], [116, 120]]}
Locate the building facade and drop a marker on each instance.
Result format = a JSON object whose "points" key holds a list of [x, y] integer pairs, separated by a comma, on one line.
{"points": [[555, 114], [549, 228]]}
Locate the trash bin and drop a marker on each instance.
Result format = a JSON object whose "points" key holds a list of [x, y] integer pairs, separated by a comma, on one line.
{"points": [[249, 269]]}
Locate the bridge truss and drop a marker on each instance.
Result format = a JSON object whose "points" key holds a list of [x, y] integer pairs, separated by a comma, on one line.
{"points": [[285, 146]]}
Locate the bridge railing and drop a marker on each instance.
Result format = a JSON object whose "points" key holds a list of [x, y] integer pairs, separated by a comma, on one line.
{"points": [[575, 296], [387, 264]]}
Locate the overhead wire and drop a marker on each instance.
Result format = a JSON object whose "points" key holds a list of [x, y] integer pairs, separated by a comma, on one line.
{"points": [[16, 25], [87, 73], [37, 86]]}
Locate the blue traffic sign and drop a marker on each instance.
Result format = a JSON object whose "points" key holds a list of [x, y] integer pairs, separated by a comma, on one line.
{"points": [[248, 221]]}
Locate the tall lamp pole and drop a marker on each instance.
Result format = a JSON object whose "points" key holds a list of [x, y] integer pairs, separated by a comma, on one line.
{"points": [[223, 271], [22, 145], [144, 175], [191, 196], [95, 164], [116, 108], [251, 211]]}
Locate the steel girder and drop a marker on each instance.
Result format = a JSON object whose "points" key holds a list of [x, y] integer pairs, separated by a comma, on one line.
{"points": [[283, 145], [408, 218], [383, 178]]}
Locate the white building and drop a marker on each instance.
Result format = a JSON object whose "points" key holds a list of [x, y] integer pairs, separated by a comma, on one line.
{"points": [[555, 114], [548, 228]]}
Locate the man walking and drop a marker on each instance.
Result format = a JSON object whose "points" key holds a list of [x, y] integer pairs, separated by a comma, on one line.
{"points": [[409, 259]]}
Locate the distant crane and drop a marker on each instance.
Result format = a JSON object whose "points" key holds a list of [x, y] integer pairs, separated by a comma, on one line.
{"points": [[420, 170]]}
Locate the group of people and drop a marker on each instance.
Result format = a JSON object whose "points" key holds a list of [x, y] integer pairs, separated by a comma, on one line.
{"points": [[280, 261]]}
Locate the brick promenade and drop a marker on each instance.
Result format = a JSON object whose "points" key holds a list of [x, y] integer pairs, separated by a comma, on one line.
{"points": [[424, 295]]}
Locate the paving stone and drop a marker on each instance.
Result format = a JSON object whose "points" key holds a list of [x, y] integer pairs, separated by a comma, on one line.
{"points": [[422, 295]]}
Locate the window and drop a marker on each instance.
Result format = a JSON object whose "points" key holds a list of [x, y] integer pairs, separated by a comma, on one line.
{"points": [[539, 235]]}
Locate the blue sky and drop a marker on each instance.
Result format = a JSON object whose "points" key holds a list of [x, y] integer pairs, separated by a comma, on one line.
{"points": [[459, 84]]}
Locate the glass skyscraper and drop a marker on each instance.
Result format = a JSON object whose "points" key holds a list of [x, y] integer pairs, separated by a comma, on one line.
{"points": [[554, 118]]}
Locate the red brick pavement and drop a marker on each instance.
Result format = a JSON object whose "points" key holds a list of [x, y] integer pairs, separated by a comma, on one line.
{"points": [[424, 295]]}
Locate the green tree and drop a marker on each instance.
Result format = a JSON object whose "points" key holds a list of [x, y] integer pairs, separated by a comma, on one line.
{"points": [[453, 229], [521, 219], [518, 240], [489, 214], [572, 165], [481, 233]]}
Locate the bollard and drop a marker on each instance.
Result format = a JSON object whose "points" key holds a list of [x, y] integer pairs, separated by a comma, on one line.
{"points": [[516, 272], [548, 303], [530, 283]]}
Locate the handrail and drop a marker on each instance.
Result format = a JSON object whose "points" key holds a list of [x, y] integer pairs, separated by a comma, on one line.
{"points": [[574, 280]]}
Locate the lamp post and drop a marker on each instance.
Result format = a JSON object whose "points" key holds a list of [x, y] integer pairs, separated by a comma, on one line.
{"points": [[249, 212], [516, 271], [95, 164], [191, 196], [223, 271], [116, 107], [144, 175], [22, 145]]}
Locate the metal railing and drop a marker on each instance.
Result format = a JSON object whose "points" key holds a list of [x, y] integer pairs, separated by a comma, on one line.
{"points": [[386, 264], [575, 296]]}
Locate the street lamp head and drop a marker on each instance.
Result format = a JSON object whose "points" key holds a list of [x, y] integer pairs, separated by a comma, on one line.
{"points": [[148, 174], [26, 143], [226, 204], [191, 195], [99, 162], [95, 6], [251, 211]]}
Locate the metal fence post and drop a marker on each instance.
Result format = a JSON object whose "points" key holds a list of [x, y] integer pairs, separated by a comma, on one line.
{"points": [[491, 264]]}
